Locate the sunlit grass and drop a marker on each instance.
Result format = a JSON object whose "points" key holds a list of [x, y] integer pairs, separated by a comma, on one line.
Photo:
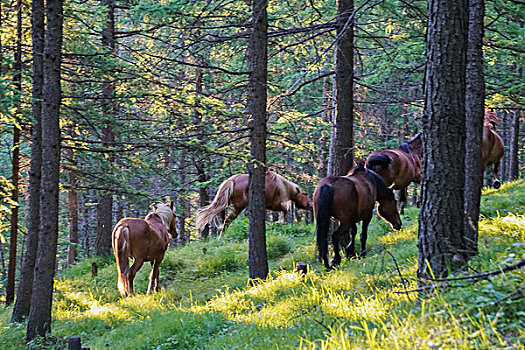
{"points": [[207, 302]]}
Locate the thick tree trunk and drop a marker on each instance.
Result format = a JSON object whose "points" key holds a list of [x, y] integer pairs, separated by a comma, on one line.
{"points": [[17, 80], [25, 285], [475, 110], [257, 93], [105, 203], [342, 141], [40, 314], [514, 170], [441, 224]]}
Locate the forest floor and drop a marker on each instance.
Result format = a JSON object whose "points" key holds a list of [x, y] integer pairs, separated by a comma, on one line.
{"points": [[207, 303]]}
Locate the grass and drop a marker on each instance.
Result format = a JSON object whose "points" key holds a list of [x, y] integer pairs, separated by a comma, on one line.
{"points": [[207, 302]]}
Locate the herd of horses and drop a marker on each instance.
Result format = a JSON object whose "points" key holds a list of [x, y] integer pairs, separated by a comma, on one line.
{"points": [[347, 200]]}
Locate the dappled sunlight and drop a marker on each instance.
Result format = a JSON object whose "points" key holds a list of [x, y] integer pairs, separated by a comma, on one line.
{"points": [[510, 225], [402, 235]]}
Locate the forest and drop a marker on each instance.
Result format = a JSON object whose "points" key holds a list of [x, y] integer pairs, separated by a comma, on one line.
{"points": [[109, 108]]}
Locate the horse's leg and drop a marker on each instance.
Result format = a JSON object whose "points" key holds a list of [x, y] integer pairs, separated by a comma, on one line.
{"points": [[137, 264], [364, 236], [402, 200], [232, 216], [495, 181], [336, 238], [350, 248]]}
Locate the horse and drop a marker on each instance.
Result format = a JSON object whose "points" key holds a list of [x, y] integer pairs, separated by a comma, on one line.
{"points": [[492, 148], [399, 167], [278, 191], [350, 199], [142, 240]]}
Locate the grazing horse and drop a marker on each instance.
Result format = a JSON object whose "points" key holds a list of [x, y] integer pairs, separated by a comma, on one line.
{"points": [[142, 240], [350, 199], [492, 148], [399, 167], [278, 192]]}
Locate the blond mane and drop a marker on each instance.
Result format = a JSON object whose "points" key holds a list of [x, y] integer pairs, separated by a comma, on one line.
{"points": [[163, 210]]}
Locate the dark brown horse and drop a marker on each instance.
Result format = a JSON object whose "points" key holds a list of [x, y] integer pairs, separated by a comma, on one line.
{"points": [[399, 167], [492, 148], [279, 192], [142, 240], [350, 199]]}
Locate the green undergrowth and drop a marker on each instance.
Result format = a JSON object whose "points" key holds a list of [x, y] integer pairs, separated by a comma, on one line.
{"points": [[207, 303]]}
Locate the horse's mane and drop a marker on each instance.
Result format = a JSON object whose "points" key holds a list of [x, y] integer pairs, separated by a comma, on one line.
{"points": [[283, 184], [164, 212], [404, 147], [382, 190]]}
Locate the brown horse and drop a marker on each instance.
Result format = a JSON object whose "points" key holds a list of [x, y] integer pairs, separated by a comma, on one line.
{"points": [[350, 199], [142, 240], [278, 191], [492, 148], [399, 167]]}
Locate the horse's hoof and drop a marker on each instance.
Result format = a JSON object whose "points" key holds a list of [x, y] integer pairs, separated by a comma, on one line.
{"points": [[496, 184]]}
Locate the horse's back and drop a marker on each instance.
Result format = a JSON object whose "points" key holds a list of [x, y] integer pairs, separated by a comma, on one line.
{"points": [[403, 168], [353, 197]]}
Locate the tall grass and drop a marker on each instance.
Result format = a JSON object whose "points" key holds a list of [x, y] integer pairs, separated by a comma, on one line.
{"points": [[207, 302]]}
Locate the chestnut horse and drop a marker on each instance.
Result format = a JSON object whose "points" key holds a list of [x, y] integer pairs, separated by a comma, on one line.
{"points": [[278, 191], [350, 199], [399, 167], [142, 240], [492, 148]]}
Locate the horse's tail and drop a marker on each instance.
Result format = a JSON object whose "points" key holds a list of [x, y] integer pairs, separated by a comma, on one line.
{"points": [[219, 204], [323, 215], [378, 162], [121, 248]]}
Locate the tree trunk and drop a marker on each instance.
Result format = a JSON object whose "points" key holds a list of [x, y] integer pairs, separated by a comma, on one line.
{"points": [[475, 110], [257, 93], [17, 80], [104, 224], [40, 314], [105, 203], [342, 141], [202, 177], [441, 220], [72, 210], [322, 167], [25, 285], [514, 170]]}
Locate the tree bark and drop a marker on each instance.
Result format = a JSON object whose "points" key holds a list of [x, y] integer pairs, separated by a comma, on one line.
{"points": [[25, 285], [475, 110], [39, 321], [342, 141], [514, 170], [105, 204], [441, 225], [257, 94], [202, 177], [17, 80], [72, 210]]}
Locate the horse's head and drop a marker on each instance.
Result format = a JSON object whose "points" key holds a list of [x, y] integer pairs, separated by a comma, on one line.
{"points": [[490, 119], [166, 211], [387, 205], [300, 198], [415, 144]]}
